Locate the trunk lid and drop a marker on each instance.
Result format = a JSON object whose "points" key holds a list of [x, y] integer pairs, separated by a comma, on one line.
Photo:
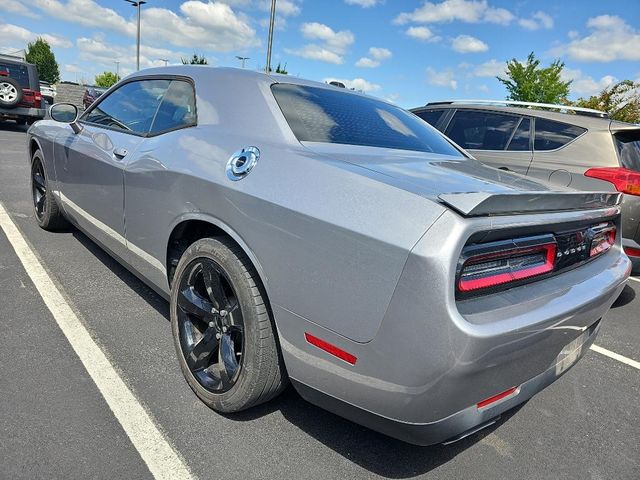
{"points": [[465, 185]]}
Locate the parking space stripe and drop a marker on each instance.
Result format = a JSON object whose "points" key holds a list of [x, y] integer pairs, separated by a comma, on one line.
{"points": [[615, 356], [634, 279], [163, 461]]}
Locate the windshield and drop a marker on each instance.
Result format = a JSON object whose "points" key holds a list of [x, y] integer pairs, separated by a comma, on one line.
{"points": [[628, 145], [332, 116]]}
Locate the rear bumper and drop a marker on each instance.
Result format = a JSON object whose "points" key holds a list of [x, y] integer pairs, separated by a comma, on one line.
{"points": [[462, 423], [635, 260], [22, 112]]}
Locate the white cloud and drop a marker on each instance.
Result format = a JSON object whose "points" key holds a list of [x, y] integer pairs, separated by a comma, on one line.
{"points": [[205, 24], [363, 3], [585, 85], [287, 8], [359, 84], [376, 57], [469, 11], [492, 68], [538, 20], [333, 44], [468, 44], [442, 78], [611, 39], [10, 34], [316, 52], [17, 7], [422, 33]]}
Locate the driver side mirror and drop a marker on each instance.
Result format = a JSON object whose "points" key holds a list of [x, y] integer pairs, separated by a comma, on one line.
{"points": [[66, 113]]}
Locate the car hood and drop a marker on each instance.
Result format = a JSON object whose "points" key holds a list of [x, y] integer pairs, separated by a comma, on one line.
{"points": [[463, 184]]}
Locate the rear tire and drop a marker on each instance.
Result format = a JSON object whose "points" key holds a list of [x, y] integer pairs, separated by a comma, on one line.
{"points": [[46, 210], [230, 359]]}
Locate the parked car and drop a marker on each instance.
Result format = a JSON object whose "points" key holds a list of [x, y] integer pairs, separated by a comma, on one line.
{"points": [[573, 147], [91, 94], [48, 92], [309, 233], [20, 97]]}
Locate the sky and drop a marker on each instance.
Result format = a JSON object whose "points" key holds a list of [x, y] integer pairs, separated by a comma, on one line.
{"points": [[409, 52]]}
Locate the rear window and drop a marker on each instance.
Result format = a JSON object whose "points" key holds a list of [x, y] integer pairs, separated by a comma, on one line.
{"points": [[478, 130], [628, 145], [332, 116], [551, 135], [430, 116], [19, 73]]}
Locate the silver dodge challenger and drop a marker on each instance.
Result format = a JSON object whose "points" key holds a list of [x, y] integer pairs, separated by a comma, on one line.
{"points": [[306, 233]]}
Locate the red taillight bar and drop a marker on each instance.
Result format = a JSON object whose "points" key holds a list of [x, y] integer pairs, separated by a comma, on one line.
{"points": [[632, 252], [625, 180], [506, 277], [332, 349], [495, 398]]}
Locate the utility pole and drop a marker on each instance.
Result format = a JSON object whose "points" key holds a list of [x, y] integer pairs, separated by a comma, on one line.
{"points": [[242, 59], [137, 4], [270, 41], [117, 70]]}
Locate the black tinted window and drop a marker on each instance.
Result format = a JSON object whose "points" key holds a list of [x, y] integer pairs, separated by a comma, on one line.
{"points": [[481, 130], [430, 116], [131, 107], [628, 144], [334, 116], [520, 140], [19, 73], [551, 135], [177, 109]]}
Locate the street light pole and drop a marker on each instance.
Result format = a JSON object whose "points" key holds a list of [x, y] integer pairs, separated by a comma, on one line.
{"points": [[270, 41], [117, 70], [137, 4], [242, 59]]}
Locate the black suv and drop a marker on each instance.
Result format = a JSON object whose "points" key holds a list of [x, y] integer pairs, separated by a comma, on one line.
{"points": [[20, 97]]}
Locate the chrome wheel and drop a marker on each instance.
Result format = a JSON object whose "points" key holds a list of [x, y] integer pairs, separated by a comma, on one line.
{"points": [[210, 324], [8, 92]]}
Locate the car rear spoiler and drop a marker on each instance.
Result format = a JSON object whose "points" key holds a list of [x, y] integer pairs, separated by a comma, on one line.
{"points": [[615, 127], [517, 203]]}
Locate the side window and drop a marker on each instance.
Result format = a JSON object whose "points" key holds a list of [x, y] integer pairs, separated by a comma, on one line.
{"points": [[478, 130], [130, 108], [521, 139], [430, 116], [19, 73], [177, 109], [551, 135]]}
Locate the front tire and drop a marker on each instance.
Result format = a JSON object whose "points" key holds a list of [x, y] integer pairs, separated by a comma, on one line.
{"points": [[47, 212], [222, 328]]}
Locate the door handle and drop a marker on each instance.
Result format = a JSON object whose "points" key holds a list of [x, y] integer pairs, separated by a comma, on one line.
{"points": [[120, 152]]}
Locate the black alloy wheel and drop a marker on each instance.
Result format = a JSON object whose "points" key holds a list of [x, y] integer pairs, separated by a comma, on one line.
{"points": [[211, 326], [39, 189]]}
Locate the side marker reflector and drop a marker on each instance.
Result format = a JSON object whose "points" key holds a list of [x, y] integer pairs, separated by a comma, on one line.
{"points": [[332, 349], [495, 398]]}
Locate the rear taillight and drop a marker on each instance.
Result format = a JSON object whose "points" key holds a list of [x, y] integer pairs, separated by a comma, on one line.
{"points": [[602, 241], [490, 265], [625, 180], [632, 252]]}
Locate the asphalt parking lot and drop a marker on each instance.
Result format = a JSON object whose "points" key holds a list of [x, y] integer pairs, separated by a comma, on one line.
{"points": [[55, 422]]}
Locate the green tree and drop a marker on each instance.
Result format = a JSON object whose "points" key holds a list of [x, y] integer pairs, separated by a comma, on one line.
{"points": [[195, 60], [282, 69], [529, 82], [621, 101], [40, 54], [106, 79]]}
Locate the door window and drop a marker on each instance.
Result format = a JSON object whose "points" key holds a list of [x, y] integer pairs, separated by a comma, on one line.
{"points": [[551, 135], [477, 130], [177, 109], [430, 116], [521, 140], [131, 107]]}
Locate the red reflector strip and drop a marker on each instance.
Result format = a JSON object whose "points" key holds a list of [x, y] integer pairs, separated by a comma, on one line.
{"points": [[495, 398], [332, 349], [632, 252]]}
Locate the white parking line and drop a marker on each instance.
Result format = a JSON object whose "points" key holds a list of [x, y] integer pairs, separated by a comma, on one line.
{"points": [[634, 279], [616, 356], [160, 457]]}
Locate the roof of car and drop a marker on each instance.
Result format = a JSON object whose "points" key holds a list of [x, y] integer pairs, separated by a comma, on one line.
{"points": [[585, 121]]}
